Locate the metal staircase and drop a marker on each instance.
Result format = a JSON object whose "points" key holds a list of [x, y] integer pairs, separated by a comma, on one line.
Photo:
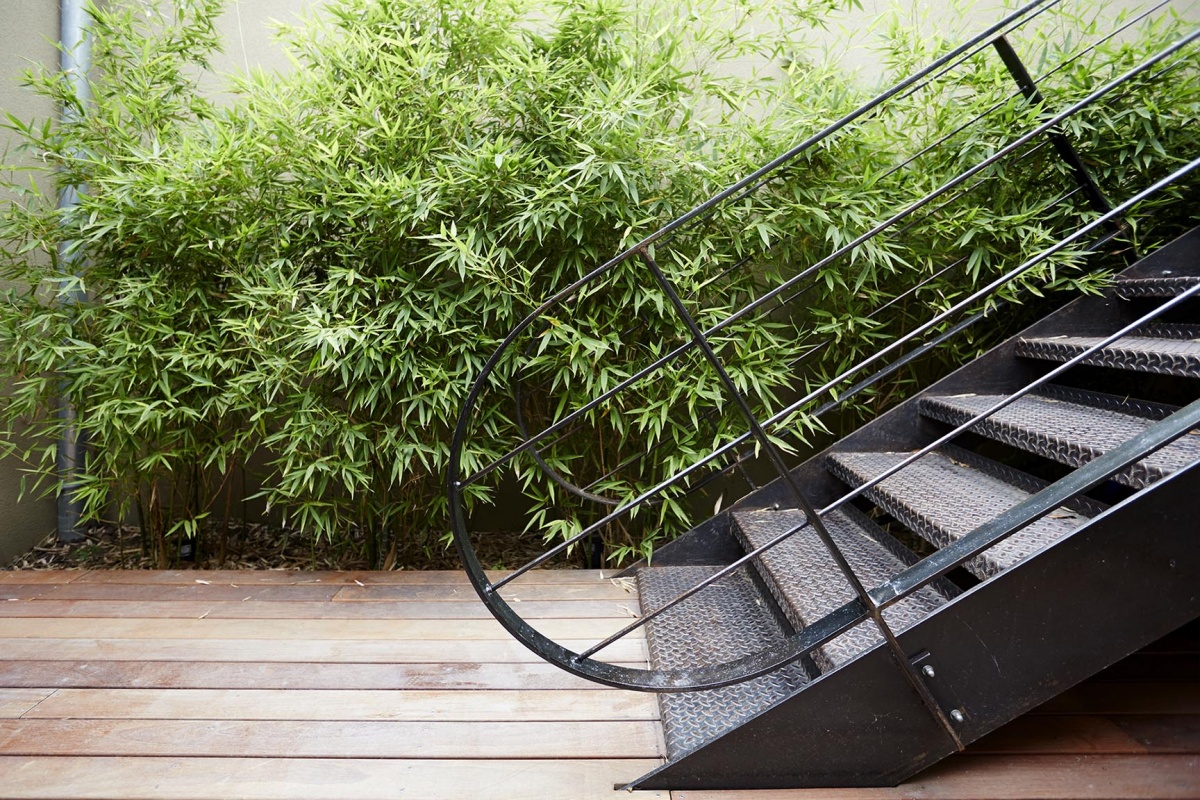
{"points": [[1014, 527], [1060, 599]]}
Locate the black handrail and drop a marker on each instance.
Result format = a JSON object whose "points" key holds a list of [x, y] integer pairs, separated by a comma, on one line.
{"points": [[1042, 129], [870, 602]]}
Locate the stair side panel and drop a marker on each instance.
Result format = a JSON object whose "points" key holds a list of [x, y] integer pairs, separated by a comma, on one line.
{"points": [[1000, 649]]}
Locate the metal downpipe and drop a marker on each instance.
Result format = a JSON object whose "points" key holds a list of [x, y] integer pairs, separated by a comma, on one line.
{"points": [[75, 61]]}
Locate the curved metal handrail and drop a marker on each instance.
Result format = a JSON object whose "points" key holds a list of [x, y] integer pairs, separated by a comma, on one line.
{"points": [[865, 606]]}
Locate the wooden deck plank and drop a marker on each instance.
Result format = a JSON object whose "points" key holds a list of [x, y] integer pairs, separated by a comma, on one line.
{"points": [[35, 576], [253, 702], [303, 630], [363, 651], [250, 675], [343, 578], [317, 739], [309, 592], [1013, 777], [257, 609], [317, 779], [599, 590], [345, 705], [166, 594], [16, 702]]}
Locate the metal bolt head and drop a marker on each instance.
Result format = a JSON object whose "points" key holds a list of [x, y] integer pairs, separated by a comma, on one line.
{"points": [[956, 715], [927, 670]]}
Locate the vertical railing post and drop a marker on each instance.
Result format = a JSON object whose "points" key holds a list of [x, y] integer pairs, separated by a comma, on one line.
{"points": [[1062, 145], [814, 519]]}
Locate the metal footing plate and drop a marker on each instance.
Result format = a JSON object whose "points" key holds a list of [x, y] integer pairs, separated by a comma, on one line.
{"points": [[727, 620]]}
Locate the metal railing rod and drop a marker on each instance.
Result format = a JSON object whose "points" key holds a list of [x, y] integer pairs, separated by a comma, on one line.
{"points": [[1025, 513], [892, 598], [1012, 398], [1041, 77], [791, 282], [966, 175], [798, 405]]}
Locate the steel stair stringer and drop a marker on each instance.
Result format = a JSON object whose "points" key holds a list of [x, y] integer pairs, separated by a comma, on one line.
{"points": [[996, 651]]}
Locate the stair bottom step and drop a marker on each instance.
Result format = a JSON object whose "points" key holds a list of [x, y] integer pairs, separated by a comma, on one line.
{"points": [[725, 621]]}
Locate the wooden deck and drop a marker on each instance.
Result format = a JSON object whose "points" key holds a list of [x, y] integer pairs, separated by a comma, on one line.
{"points": [[399, 685]]}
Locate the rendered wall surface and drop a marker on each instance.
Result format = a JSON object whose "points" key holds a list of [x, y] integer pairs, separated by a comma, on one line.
{"points": [[31, 26], [27, 34]]}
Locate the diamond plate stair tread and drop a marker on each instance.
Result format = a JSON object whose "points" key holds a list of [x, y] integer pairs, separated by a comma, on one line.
{"points": [[1139, 353], [942, 500], [1155, 287], [728, 620], [1067, 432], [808, 583]]}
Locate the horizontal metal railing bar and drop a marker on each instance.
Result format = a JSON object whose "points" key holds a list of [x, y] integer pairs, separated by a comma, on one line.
{"points": [[1020, 516], [989, 533], [1124, 331], [964, 176], [798, 405], [719, 198], [1016, 95], [1046, 126]]}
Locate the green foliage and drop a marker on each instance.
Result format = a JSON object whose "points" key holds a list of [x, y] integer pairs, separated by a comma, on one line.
{"points": [[311, 277]]}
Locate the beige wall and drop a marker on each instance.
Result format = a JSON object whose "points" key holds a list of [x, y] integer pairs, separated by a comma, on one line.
{"points": [[29, 29], [30, 26]]}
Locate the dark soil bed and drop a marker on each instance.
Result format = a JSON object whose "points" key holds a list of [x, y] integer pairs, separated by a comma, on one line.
{"points": [[265, 547]]}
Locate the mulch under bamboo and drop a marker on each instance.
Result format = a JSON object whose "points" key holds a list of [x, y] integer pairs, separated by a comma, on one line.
{"points": [[258, 546]]}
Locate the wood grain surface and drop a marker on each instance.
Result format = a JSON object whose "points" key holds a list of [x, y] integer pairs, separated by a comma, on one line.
{"points": [[182, 685]]}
